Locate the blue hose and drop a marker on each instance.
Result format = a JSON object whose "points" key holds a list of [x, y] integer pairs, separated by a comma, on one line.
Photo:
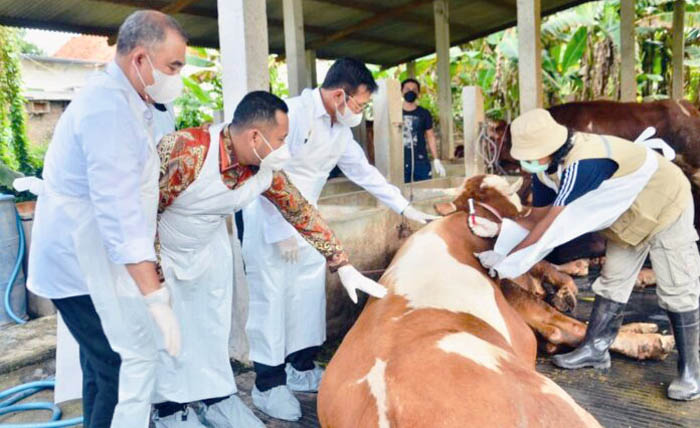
{"points": [[19, 393], [15, 272]]}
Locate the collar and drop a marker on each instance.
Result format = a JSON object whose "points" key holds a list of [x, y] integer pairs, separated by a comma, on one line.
{"points": [[118, 78], [227, 157], [319, 108]]}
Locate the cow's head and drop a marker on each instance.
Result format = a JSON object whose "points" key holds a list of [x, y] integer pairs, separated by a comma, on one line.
{"points": [[493, 190], [499, 132]]}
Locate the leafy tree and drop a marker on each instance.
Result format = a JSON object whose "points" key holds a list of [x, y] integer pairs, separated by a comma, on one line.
{"points": [[14, 144], [27, 47]]}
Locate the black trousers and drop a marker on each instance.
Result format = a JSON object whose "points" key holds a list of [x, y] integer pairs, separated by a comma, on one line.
{"points": [[100, 364], [268, 377]]}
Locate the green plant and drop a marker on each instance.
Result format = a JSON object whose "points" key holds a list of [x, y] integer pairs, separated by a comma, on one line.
{"points": [[14, 144]]}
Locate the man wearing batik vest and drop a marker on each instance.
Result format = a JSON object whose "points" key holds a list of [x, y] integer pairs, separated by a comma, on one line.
{"points": [[642, 204], [207, 173]]}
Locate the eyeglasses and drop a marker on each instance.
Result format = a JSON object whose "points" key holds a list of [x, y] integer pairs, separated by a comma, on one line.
{"points": [[355, 106]]}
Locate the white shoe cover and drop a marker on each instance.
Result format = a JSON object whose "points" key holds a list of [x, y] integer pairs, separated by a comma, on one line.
{"points": [[175, 420], [229, 413], [304, 381], [278, 402]]}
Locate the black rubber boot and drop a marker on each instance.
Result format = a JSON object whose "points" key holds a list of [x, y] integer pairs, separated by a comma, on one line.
{"points": [[605, 321], [686, 330]]}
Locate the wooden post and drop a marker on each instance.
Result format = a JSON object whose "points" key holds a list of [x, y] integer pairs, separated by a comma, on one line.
{"points": [[411, 69], [529, 54], [388, 119], [473, 111], [678, 48], [442, 50], [244, 49], [294, 45], [628, 46], [312, 80]]}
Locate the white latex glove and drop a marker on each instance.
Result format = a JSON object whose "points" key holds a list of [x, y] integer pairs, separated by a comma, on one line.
{"points": [[438, 168], [489, 259], [353, 280], [33, 184], [418, 216], [159, 306], [289, 248]]}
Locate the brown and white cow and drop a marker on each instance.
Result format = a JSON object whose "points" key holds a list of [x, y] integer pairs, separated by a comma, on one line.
{"points": [[444, 348]]}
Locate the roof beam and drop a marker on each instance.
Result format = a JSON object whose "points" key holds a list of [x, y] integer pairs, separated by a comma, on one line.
{"points": [[366, 23], [162, 4], [176, 7], [312, 29], [502, 4], [406, 17]]}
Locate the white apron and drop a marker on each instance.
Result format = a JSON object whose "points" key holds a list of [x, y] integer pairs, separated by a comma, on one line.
{"points": [[197, 263], [594, 211], [287, 310], [119, 303]]}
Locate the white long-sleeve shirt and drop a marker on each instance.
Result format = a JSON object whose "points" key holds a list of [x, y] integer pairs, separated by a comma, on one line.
{"points": [[332, 145], [97, 154]]}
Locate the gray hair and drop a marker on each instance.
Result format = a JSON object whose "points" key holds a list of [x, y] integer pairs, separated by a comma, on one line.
{"points": [[145, 28]]}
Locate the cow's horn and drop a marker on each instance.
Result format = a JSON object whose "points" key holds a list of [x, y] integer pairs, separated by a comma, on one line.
{"points": [[516, 186]]}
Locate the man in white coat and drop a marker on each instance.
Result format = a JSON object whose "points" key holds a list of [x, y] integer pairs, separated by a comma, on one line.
{"points": [[287, 313], [94, 229], [207, 173]]}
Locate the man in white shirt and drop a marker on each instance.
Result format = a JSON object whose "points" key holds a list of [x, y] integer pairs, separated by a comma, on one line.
{"points": [[93, 235], [286, 276]]}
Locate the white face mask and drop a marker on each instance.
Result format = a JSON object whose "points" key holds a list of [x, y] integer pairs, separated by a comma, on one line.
{"points": [[276, 159], [165, 87], [347, 118]]}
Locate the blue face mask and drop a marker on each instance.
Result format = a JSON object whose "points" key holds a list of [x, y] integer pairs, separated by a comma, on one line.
{"points": [[533, 167]]}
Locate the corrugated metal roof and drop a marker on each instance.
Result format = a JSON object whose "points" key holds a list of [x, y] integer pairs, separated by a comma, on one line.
{"points": [[395, 39]]}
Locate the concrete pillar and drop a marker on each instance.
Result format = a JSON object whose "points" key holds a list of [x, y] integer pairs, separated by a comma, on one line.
{"points": [[529, 54], [442, 50], [678, 48], [474, 117], [244, 49], [294, 45], [628, 46], [411, 69], [388, 119], [311, 79]]}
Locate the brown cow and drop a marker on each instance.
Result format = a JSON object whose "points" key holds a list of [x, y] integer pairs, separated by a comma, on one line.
{"points": [[676, 122], [444, 348]]}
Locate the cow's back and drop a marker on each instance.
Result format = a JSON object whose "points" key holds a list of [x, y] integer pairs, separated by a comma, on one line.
{"points": [[443, 349]]}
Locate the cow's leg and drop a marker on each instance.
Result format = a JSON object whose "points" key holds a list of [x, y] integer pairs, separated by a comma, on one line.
{"points": [[643, 346], [547, 322], [564, 298], [531, 284], [575, 268], [645, 278], [640, 327], [562, 332]]}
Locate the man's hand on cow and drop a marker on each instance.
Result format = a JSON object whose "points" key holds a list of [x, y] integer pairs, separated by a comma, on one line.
{"points": [[418, 216], [353, 280], [489, 259], [289, 249]]}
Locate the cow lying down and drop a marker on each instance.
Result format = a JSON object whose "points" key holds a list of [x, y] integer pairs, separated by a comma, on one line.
{"points": [[445, 347]]}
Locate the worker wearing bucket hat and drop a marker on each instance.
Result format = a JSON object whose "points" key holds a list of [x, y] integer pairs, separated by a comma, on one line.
{"points": [[641, 202]]}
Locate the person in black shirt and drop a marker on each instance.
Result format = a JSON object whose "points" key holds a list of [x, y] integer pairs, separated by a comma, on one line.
{"points": [[417, 129]]}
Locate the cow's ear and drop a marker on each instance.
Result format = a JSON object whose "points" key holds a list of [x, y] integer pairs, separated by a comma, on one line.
{"points": [[516, 186], [445, 208]]}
